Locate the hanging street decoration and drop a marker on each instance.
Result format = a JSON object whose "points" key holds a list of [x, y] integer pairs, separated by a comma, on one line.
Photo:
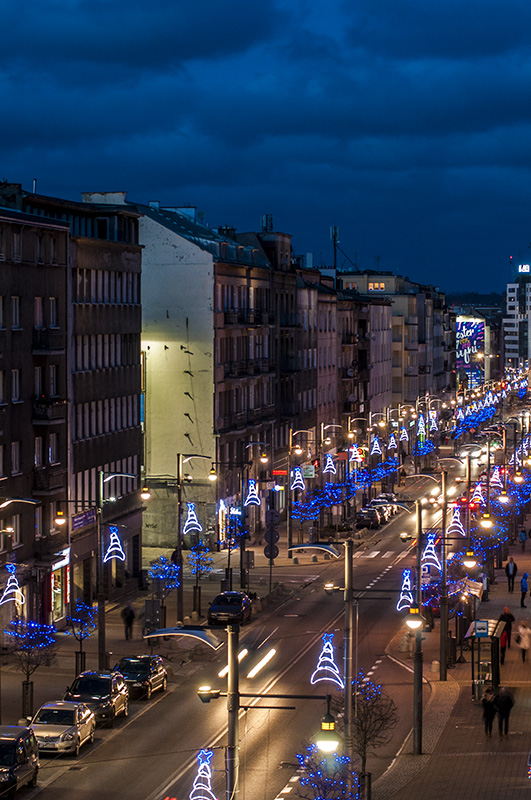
{"points": [[252, 494], [376, 450], [433, 420], [406, 595], [421, 427], [354, 454], [477, 496], [192, 523], [298, 480], [202, 788], [404, 436], [12, 591], [391, 444], [455, 528], [326, 669], [429, 555], [115, 549], [496, 482], [329, 465]]}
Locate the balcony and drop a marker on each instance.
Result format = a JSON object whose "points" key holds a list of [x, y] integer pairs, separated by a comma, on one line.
{"points": [[247, 316], [46, 340], [288, 365], [48, 410], [250, 366], [49, 480], [410, 371], [288, 319]]}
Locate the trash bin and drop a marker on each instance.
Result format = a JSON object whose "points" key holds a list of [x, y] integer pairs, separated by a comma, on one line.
{"points": [[477, 689], [452, 651]]}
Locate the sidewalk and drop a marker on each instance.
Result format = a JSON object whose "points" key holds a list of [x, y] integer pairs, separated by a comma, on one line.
{"points": [[458, 760]]}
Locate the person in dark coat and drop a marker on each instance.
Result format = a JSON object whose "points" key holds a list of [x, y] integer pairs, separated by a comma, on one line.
{"points": [[523, 588], [504, 703], [523, 539], [128, 616], [489, 709], [508, 618], [511, 568]]}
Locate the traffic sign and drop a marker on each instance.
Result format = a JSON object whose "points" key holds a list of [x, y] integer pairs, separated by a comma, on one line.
{"points": [[272, 516], [272, 535], [271, 551]]}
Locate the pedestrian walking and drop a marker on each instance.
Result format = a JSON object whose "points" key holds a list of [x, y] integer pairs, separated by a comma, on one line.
{"points": [[523, 539], [489, 709], [511, 568], [524, 638], [128, 616], [508, 618], [523, 589], [503, 645], [504, 701]]}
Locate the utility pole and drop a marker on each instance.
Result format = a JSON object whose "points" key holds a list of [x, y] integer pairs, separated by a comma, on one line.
{"points": [[417, 663], [443, 657]]}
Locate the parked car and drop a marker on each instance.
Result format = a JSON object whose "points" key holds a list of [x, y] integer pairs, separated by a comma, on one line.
{"points": [[383, 508], [105, 693], [230, 607], [368, 518], [143, 675], [63, 727], [19, 759], [392, 499]]}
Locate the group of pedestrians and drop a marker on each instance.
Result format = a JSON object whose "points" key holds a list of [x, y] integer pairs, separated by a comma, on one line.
{"points": [[500, 703]]}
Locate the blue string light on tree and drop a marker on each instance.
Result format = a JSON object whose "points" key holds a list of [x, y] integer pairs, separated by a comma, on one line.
{"points": [[167, 572], [376, 450], [115, 549], [329, 465], [298, 480], [406, 595], [192, 523], [12, 592], [202, 788], [326, 669], [429, 556], [252, 498]]}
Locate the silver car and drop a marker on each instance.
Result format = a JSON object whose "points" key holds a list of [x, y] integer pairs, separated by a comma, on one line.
{"points": [[63, 727]]}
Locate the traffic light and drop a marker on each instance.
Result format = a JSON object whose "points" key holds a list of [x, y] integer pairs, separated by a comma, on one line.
{"points": [[317, 464]]}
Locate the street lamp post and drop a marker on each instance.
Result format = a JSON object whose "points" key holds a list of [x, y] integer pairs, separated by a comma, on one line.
{"points": [[418, 658]]}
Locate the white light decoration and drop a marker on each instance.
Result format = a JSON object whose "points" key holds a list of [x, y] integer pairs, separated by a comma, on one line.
{"points": [[202, 788], [434, 426], [329, 465], [252, 498], [429, 555], [460, 414], [477, 496], [192, 523], [391, 444], [354, 454], [406, 595], [421, 426], [115, 549], [326, 669], [496, 482], [376, 450], [298, 480], [12, 591], [456, 526], [404, 436]]}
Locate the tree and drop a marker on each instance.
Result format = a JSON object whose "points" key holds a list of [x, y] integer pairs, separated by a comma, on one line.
{"points": [[374, 716], [32, 644], [82, 624], [200, 562], [166, 573], [326, 778]]}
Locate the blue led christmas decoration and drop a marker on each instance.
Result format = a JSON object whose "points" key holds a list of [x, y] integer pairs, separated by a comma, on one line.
{"points": [[167, 572], [202, 788], [200, 561], [331, 777], [329, 465], [29, 635], [429, 556], [326, 669], [82, 621], [192, 523], [252, 494], [406, 595], [12, 592], [115, 549], [376, 450], [391, 444], [298, 480]]}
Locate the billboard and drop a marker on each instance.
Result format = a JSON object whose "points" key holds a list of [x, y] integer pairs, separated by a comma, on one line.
{"points": [[470, 340]]}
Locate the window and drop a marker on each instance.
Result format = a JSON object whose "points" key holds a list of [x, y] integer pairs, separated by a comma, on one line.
{"points": [[39, 312], [53, 452], [2, 386], [38, 381], [38, 522], [16, 247], [53, 380], [2, 473], [15, 458], [15, 312], [52, 507], [52, 309], [2, 312], [15, 385], [38, 451]]}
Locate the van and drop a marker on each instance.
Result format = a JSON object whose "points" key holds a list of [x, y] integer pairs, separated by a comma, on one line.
{"points": [[19, 759]]}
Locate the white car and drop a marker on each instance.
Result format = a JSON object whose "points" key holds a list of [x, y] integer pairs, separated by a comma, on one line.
{"points": [[63, 727], [472, 450]]}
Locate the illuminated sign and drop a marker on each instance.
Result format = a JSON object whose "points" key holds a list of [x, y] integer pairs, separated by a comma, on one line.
{"points": [[524, 268]]}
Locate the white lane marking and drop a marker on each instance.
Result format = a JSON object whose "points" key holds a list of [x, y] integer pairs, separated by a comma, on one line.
{"points": [[372, 554]]}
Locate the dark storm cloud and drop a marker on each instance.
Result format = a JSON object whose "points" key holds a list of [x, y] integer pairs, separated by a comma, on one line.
{"points": [[408, 124]]}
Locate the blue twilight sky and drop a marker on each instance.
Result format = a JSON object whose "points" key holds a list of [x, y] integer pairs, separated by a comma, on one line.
{"points": [[405, 122]]}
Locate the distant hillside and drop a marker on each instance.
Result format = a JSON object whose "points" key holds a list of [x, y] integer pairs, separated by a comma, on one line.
{"points": [[475, 299]]}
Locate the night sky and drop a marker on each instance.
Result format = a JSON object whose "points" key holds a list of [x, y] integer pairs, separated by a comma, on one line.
{"points": [[405, 122]]}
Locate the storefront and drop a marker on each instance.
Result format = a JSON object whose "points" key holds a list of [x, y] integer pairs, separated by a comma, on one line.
{"points": [[57, 589]]}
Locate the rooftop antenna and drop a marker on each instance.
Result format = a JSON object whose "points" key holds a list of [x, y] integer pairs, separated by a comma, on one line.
{"points": [[34, 185], [334, 235]]}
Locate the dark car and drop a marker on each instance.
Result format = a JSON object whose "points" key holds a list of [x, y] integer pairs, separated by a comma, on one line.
{"points": [[230, 607], [368, 518], [143, 675], [105, 693], [384, 509], [19, 759]]}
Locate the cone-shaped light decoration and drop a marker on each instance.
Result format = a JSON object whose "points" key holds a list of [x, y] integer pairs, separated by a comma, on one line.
{"points": [[114, 549], [12, 590], [192, 523], [252, 498], [326, 669]]}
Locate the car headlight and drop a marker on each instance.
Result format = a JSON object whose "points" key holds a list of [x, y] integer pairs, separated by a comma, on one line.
{"points": [[67, 737], [137, 685], [106, 704], [4, 776]]}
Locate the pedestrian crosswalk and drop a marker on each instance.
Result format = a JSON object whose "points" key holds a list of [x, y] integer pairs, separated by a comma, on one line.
{"points": [[375, 554]]}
